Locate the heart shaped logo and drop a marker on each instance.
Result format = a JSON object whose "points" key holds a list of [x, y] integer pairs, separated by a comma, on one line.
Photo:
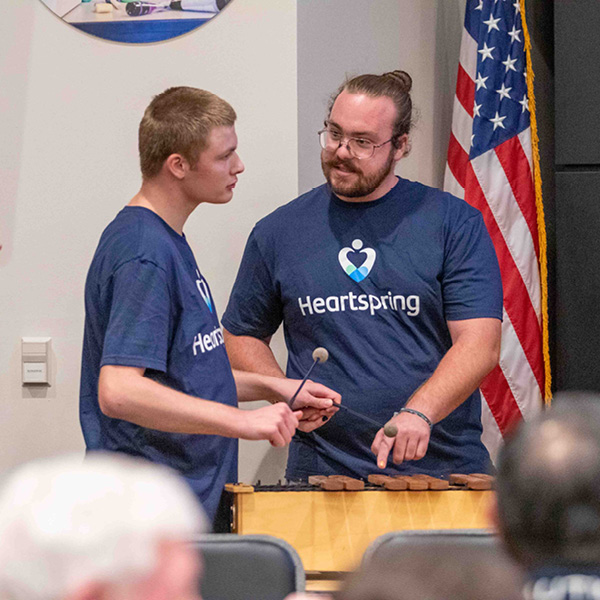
{"points": [[357, 273]]}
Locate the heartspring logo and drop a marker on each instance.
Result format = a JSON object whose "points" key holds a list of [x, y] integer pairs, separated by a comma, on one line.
{"points": [[203, 289], [357, 273], [351, 302]]}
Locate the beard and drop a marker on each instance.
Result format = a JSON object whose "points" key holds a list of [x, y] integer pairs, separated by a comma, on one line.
{"points": [[360, 185]]}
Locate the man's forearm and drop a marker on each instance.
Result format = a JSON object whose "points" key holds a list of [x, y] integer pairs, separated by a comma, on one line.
{"points": [[460, 372], [450, 385], [248, 353], [256, 386], [474, 353], [124, 393]]}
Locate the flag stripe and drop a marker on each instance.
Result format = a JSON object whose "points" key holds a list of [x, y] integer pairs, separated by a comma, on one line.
{"points": [[491, 436], [468, 54], [518, 173], [517, 370], [496, 188], [525, 137], [500, 399], [451, 185], [465, 92], [457, 161], [461, 126]]}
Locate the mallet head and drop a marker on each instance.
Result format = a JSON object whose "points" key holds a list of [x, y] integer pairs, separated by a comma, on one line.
{"points": [[390, 430], [320, 354]]}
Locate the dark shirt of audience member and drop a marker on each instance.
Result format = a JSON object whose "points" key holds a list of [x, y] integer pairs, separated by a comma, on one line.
{"points": [[436, 571], [548, 498], [109, 527]]}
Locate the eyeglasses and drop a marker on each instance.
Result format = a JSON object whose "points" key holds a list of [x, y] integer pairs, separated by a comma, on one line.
{"points": [[359, 148]]}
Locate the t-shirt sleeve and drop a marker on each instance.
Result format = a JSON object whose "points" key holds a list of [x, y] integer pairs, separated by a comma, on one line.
{"points": [[255, 306], [472, 285], [138, 329]]}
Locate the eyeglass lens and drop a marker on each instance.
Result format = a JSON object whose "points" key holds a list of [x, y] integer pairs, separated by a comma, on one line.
{"points": [[359, 148]]}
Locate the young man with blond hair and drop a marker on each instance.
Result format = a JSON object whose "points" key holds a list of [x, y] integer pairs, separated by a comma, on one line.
{"points": [[156, 380]]}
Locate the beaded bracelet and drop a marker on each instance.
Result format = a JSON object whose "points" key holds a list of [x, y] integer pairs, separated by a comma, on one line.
{"points": [[412, 411]]}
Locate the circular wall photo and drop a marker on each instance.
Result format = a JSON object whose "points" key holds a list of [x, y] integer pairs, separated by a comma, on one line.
{"points": [[136, 21]]}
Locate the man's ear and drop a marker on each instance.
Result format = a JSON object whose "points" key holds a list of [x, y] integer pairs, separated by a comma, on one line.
{"points": [[402, 146], [176, 165]]}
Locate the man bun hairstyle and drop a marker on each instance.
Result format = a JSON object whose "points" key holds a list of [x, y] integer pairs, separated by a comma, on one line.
{"points": [[179, 121], [395, 85]]}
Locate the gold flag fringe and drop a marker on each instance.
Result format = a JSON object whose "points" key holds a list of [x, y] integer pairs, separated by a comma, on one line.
{"points": [[540, 209]]}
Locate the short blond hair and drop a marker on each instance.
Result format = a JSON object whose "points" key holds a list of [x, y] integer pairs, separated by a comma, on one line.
{"points": [[179, 121]]}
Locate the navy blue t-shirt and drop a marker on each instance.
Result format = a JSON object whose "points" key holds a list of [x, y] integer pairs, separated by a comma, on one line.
{"points": [[375, 284], [148, 306]]}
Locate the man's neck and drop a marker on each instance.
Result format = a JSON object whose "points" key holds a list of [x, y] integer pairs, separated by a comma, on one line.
{"points": [[165, 201]]}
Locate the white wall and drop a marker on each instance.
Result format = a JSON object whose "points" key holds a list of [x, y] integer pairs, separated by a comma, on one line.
{"points": [[70, 106]]}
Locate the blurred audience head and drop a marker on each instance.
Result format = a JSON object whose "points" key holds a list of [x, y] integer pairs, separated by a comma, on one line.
{"points": [[548, 486], [108, 527], [435, 570]]}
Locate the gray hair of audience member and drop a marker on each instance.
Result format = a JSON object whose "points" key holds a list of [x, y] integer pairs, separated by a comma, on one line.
{"points": [[67, 521], [435, 570], [548, 485]]}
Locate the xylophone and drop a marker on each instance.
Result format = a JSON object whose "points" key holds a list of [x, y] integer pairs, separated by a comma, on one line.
{"points": [[331, 520]]}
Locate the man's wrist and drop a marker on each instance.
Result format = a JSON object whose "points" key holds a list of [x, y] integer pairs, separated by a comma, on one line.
{"points": [[418, 413], [279, 388]]}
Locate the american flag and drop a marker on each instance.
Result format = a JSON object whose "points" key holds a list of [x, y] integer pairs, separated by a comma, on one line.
{"points": [[491, 165]]}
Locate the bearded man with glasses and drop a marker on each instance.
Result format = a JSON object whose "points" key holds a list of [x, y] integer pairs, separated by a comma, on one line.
{"points": [[399, 281]]}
